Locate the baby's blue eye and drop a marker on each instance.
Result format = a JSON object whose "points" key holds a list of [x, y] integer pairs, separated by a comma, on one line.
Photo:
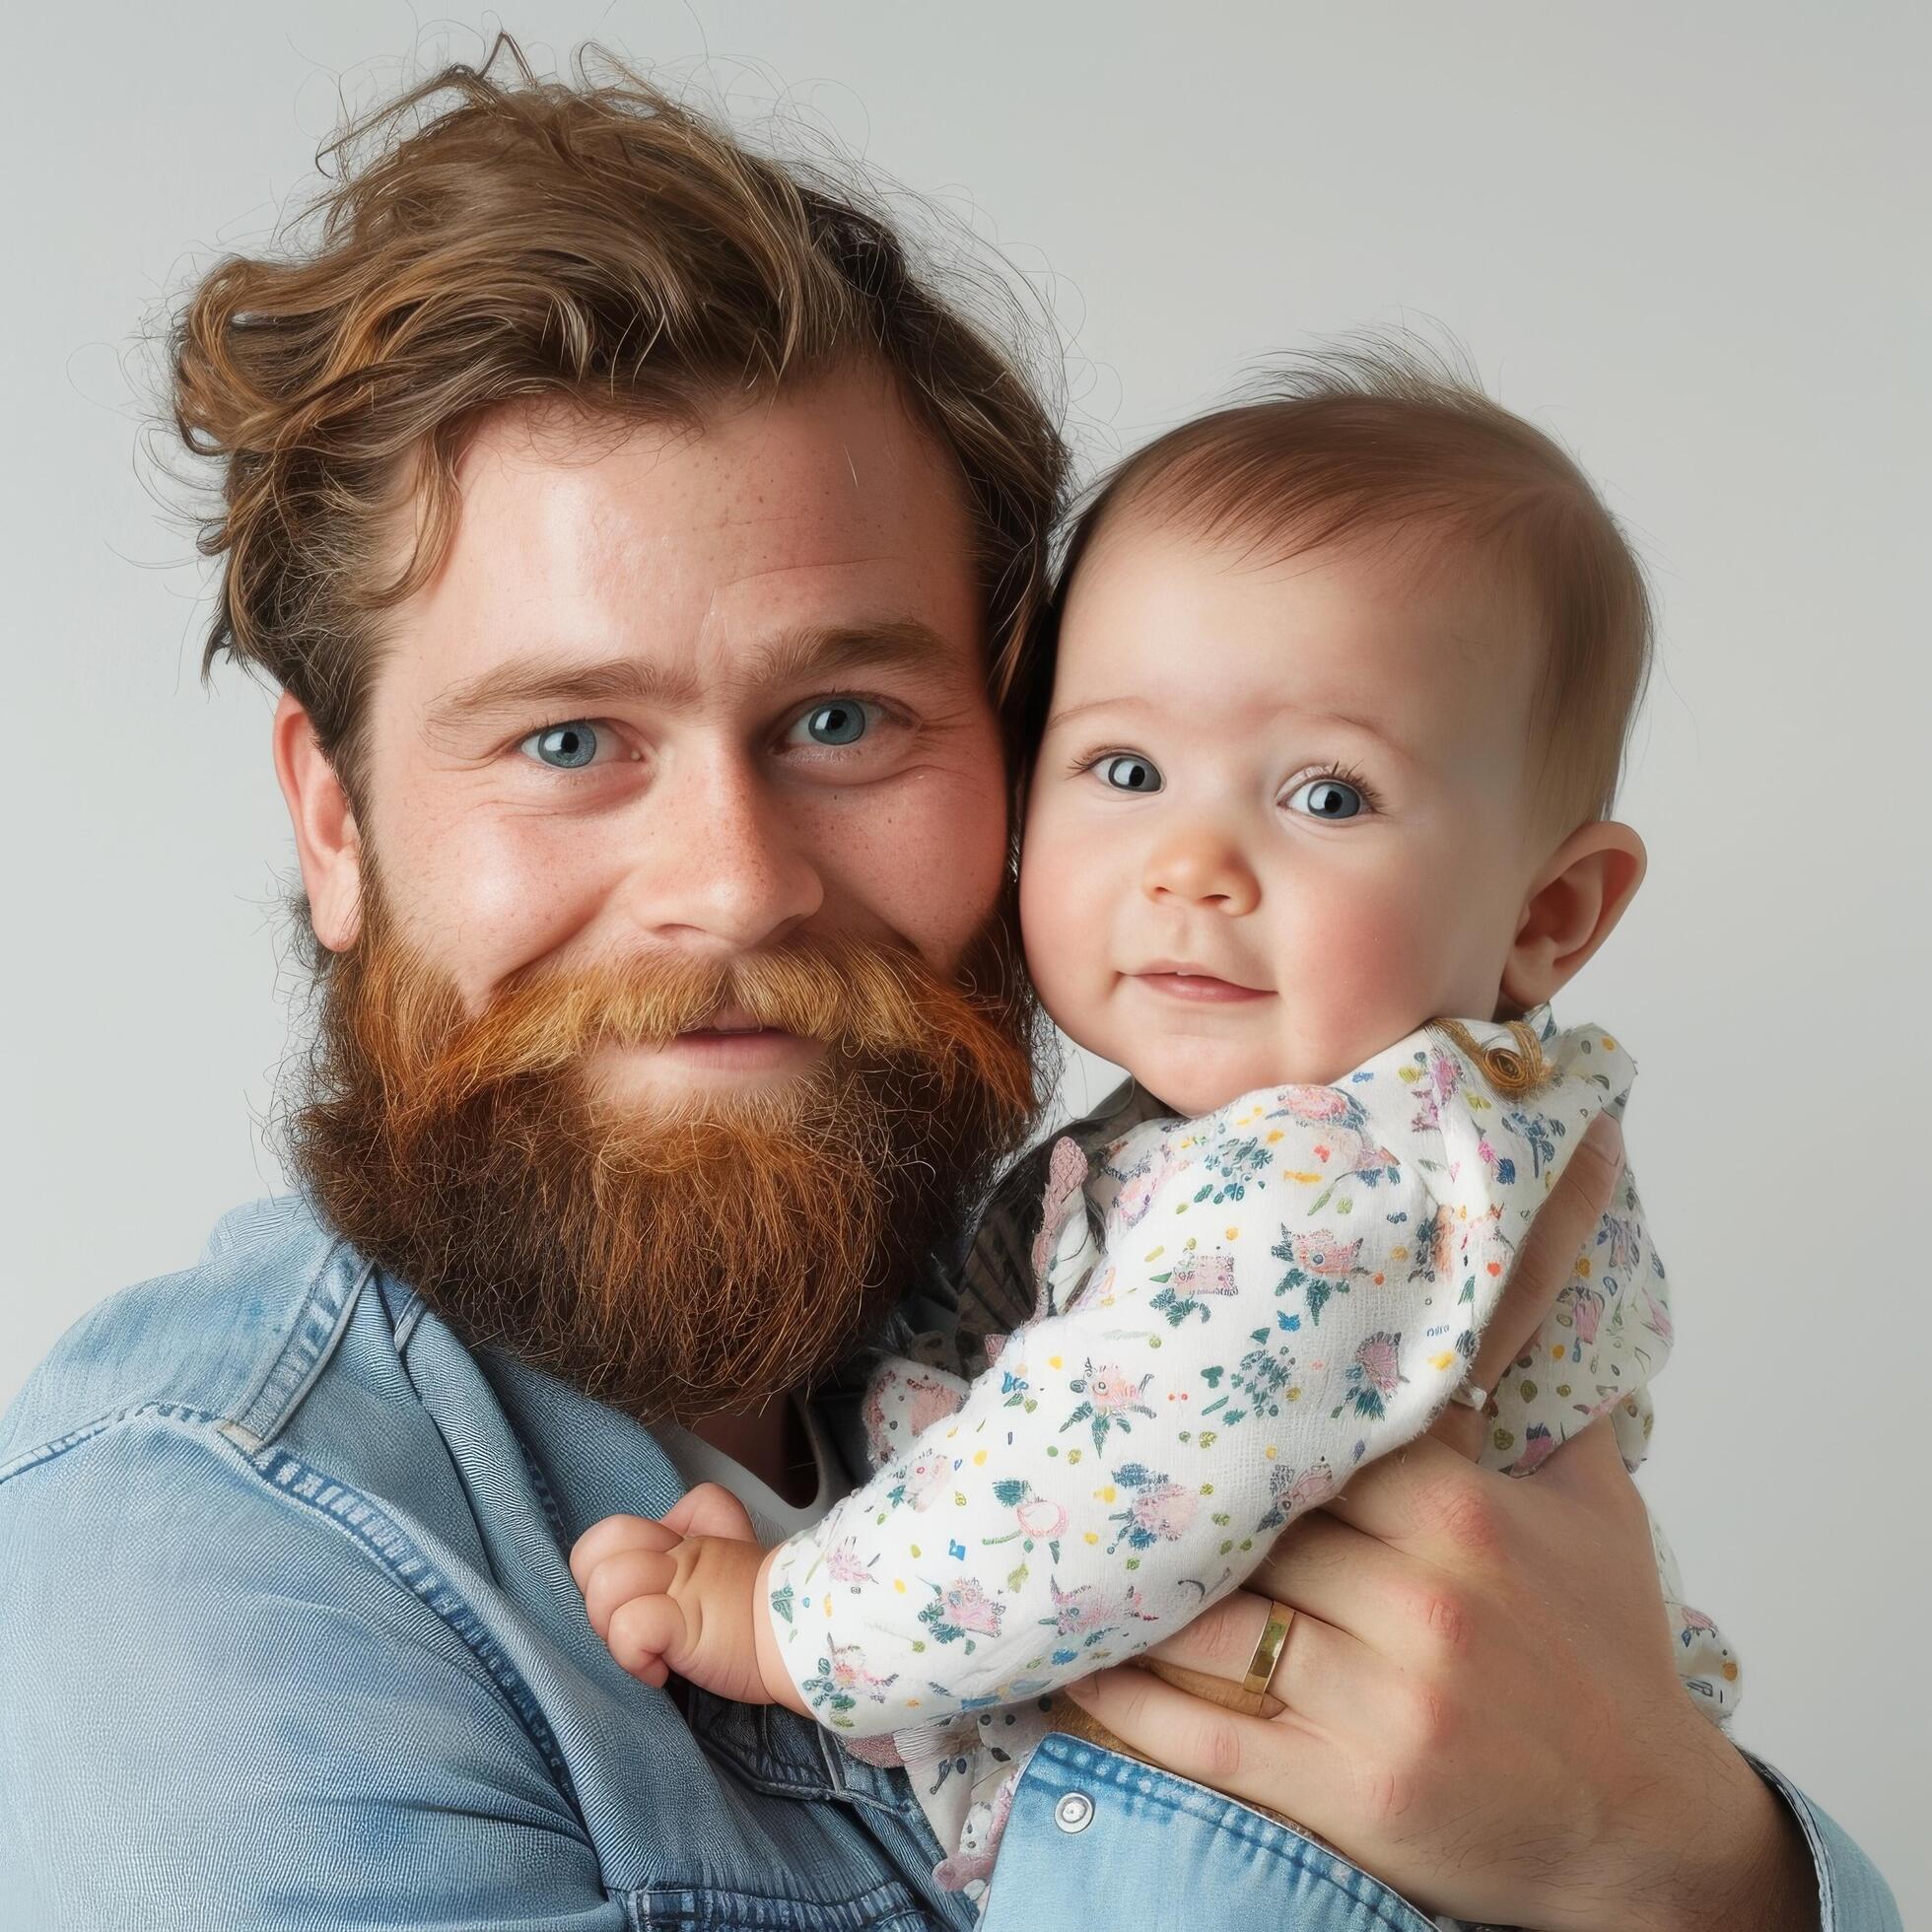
{"points": [[840, 721], [564, 748], [1328, 797], [1130, 772]]}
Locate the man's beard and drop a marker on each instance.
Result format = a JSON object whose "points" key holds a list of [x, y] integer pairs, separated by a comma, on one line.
{"points": [[677, 1260]]}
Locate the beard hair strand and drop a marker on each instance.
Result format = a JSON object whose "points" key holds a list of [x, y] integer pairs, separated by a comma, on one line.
{"points": [[682, 1262]]}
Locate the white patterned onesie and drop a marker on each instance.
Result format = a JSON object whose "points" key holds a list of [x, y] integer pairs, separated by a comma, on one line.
{"points": [[1232, 1313]]}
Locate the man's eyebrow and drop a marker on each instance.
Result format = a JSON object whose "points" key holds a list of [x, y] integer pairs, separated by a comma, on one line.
{"points": [[894, 644], [522, 688]]}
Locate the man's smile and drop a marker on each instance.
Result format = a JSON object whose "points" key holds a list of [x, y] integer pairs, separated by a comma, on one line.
{"points": [[731, 1048]]}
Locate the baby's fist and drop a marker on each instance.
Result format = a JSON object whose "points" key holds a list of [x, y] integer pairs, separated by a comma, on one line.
{"points": [[679, 1595], [626, 1566]]}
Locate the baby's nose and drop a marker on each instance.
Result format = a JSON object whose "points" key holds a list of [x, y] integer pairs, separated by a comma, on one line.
{"points": [[1203, 866]]}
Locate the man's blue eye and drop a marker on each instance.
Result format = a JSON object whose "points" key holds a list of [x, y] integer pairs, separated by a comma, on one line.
{"points": [[1131, 773], [565, 747], [1329, 797], [842, 722]]}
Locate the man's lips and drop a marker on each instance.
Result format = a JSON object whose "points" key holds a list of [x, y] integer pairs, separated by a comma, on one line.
{"points": [[733, 1041], [731, 1022], [1181, 980]]}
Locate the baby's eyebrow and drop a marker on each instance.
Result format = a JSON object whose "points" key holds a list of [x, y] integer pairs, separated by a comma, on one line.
{"points": [[1369, 728], [1363, 725], [1071, 711]]}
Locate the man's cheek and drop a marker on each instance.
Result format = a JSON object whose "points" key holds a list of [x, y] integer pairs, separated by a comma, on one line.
{"points": [[492, 896], [924, 867]]}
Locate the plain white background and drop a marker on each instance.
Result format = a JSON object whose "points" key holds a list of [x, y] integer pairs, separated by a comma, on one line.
{"points": [[1690, 241]]}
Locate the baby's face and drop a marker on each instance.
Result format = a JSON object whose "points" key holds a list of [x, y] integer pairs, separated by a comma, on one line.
{"points": [[1279, 815]]}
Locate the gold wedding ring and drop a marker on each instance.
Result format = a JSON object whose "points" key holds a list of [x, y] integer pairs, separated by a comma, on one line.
{"points": [[1268, 1650]]}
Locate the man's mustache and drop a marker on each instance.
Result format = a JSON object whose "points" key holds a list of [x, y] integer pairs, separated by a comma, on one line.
{"points": [[869, 999]]}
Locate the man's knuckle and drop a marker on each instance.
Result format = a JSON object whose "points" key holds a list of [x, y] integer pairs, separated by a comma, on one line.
{"points": [[1470, 1517], [1218, 1641], [1590, 1168], [1218, 1750], [1387, 1792], [1428, 1721], [1446, 1619]]}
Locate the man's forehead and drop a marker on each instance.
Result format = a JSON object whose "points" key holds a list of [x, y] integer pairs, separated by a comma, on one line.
{"points": [[636, 488], [581, 540]]}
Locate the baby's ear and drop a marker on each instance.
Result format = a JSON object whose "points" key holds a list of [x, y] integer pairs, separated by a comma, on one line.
{"points": [[1574, 905]]}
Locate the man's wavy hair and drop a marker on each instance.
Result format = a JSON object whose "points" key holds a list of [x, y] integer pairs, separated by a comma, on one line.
{"points": [[491, 237]]}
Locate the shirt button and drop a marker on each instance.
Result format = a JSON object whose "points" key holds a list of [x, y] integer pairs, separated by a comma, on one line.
{"points": [[1075, 1812]]}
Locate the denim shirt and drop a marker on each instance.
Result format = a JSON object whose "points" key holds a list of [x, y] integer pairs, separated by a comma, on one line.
{"points": [[288, 1639]]}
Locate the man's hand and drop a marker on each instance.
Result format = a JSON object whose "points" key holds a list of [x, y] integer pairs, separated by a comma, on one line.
{"points": [[684, 1595], [1478, 1701]]}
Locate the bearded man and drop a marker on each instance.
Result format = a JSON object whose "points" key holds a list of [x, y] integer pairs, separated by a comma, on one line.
{"points": [[646, 558]]}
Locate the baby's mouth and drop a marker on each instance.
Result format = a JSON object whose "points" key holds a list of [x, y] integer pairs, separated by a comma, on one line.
{"points": [[1177, 979]]}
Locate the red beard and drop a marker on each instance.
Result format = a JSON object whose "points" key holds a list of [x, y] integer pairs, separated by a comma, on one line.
{"points": [[680, 1265]]}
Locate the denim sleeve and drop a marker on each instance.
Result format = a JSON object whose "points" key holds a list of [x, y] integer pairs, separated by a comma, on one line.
{"points": [[1090, 1824], [1851, 1895], [212, 1720]]}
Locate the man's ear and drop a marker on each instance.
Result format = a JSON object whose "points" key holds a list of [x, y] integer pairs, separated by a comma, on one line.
{"points": [[1572, 908], [326, 842]]}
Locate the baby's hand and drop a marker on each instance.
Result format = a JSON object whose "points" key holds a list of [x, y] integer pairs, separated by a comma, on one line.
{"points": [[684, 1595]]}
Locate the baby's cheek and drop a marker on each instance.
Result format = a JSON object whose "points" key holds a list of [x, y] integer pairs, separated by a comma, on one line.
{"points": [[1371, 972], [1064, 922]]}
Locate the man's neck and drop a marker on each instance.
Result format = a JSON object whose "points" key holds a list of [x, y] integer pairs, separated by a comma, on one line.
{"points": [[771, 1442]]}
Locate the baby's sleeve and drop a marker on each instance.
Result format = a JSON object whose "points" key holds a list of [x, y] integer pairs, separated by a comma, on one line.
{"points": [[1251, 1326]]}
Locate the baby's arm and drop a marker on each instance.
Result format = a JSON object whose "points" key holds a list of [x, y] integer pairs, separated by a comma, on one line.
{"points": [[1126, 1461], [1280, 1297], [686, 1594]]}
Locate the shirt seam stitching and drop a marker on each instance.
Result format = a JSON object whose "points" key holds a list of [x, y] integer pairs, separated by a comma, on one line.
{"points": [[286, 1383], [181, 1412], [54, 1447], [319, 1494]]}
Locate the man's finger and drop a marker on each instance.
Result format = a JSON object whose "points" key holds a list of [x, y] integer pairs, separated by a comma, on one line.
{"points": [[1564, 1226], [1589, 1469], [1424, 1499], [1276, 1761], [1324, 1674]]}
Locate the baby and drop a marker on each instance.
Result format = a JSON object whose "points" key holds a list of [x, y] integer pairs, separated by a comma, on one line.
{"points": [[1315, 827]]}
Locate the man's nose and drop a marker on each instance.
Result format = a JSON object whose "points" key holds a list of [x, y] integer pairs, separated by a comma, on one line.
{"points": [[728, 868], [1201, 865]]}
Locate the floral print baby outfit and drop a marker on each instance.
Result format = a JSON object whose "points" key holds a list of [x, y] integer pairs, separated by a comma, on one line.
{"points": [[1231, 1313]]}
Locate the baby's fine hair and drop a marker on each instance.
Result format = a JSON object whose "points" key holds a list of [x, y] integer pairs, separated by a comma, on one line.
{"points": [[1381, 439]]}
